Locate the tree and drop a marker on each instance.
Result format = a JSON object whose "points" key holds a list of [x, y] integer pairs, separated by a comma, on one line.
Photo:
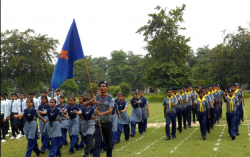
{"points": [[69, 86], [114, 89], [95, 87], [167, 49], [26, 58], [125, 88]]}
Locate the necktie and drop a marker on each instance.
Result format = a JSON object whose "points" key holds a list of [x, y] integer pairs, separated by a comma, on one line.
{"points": [[231, 103], [169, 103], [21, 106], [201, 106], [181, 98]]}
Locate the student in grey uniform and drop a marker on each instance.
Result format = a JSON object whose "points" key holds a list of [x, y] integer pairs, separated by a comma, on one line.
{"points": [[210, 105], [178, 108], [145, 110], [194, 109], [202, 108], [189, 104], [30, 127], [241, 101], [211, 94], [183, 101], [123, 121], [64, 121], [45, 138], [88, 126], [105, 104], [169, 104], [53, 128], [23, 106], [231, 102], [73, 124], [114, 117], [14, 110], [217, 109], [136, 115], [4, 114], [57, 96], [81, 106], [220, 94], [237, 96]]}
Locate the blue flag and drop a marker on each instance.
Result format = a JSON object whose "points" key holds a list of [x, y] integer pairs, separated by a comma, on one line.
{"points": [[71, 51]]}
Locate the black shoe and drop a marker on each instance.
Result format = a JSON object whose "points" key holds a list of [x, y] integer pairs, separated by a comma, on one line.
{"points": [[141, 133], [58, 155], [60, 146], [204, 138], [194, 122], [237, 133], [218, 122], [233, 137], [208, 131], [65, 144], [185, 128], [42, 152], [242, 120], [212, 127], [70, 153], [180, 132], [80, 148], [189, 126], [174, 137], [85, 155], [168, 138], [104, 151], [132, 135], [38, 154]]}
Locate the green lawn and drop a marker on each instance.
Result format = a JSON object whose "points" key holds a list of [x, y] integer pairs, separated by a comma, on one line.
{"points": [[152, 143]]}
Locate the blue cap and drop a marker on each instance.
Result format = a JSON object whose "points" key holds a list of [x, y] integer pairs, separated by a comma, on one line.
{"points": [[213, 85], [187, 86], [217, 85], [181, 87], [175, 88], [203, 88], [230, 90], [168, 89], [200, 91], [103, 82], [232, 85]]}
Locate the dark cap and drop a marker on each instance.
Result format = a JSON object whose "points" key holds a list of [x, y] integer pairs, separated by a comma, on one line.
{"points": [[175, 88], [217, 85], [232, 85], [200, 91], [103, 82], [181, 87], [196, 87], [187, 86], [230, 90], [168, 89]]}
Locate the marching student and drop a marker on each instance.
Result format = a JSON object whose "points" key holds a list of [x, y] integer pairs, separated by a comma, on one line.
{"points": [[14, 110], [4, 114], [211, 94], [194, 97], [144, 110], [241, 101], [220, 95], [30, 127], [114, 117], [210, 105], [217, 104], [136, 115], [169, 104], [118, 94], [7, 126], [64, 121], [88, 126], [183, 101], [42, 126], [89, 97], [36, 102], [57, 96], [73, 124], [39, 98], [189, 104], [81, 106], [178, 108], [231, 103], [23, 106], [237, 96], [123, 121], [53, 128], [202, 108]]}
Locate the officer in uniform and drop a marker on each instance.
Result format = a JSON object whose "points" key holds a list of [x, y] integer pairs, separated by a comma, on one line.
{"points": [[231, 102], [105, 104], [169, 104]]}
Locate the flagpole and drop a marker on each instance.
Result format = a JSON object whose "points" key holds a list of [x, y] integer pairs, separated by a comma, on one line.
{"points": [[92, 93]]}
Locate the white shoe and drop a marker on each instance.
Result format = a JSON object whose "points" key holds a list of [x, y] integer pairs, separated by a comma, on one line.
{"points": [[9, 131], [12, 137], [7, 135], [3, 140], [18, 136], [21, 135]]}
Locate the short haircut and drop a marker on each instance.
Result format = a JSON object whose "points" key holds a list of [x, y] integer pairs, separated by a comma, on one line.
{"points": [[41, 91], [57, 90], [21, 93], [31, 93]]}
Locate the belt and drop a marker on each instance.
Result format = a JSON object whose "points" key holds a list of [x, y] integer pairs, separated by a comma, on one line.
{"points": [[43, 115], [14, 113], [170, 112], [54, 120], [103, 121], [201, 111]]}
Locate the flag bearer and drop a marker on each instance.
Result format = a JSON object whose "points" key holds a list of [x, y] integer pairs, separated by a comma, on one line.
{"points": [[202, 108], [123, 121], [136, 115], [231, 109], [144, 110], [169, 104]]}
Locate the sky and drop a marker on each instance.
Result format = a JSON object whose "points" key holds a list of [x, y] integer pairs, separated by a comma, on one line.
{"points": [[108, 25]]}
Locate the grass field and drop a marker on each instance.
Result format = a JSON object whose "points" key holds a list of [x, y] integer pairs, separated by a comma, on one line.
{"points": [[152, 143]]}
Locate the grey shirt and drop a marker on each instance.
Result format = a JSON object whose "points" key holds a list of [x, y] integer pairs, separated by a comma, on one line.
{"points": [[107, 102], [235, 102], [204, 104], [166, 103]]}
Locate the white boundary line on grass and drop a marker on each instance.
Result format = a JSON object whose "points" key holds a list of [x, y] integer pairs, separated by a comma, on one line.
{"points": [[150, 145], [244, 111], [172, 151], [137, 139], [217, 144]]}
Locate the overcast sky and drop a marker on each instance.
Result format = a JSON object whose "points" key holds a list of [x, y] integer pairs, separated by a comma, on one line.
{"points": [[106, 25]]}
